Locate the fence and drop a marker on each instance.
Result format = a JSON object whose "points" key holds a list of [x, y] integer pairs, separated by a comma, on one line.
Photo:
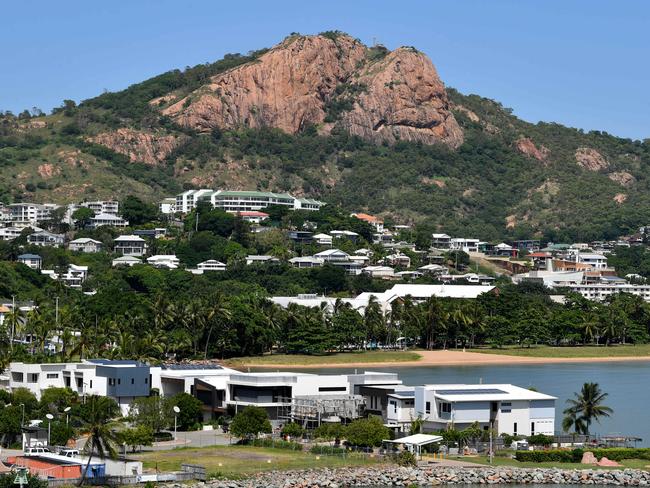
{"points": [[190, 472]]}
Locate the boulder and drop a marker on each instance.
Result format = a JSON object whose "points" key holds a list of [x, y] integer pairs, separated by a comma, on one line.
{"points": [[589, 458]]}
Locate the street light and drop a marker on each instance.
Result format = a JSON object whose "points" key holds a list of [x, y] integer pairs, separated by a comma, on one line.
{"points": [[67, 415], [176, 412], [49, 417]]}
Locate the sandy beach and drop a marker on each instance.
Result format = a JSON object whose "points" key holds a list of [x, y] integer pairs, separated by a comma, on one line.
{"points": [[458, 358]]}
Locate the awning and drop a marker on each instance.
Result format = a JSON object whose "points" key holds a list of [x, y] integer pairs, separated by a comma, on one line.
{"points": [[416, 440]]}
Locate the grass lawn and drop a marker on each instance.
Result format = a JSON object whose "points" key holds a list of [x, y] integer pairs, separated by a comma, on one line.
{"points": [[341, 358], [507, 461], [238, 461], [637, 350]]}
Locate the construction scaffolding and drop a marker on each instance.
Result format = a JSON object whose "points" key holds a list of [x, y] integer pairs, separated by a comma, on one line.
{"points": [[313, 410]]}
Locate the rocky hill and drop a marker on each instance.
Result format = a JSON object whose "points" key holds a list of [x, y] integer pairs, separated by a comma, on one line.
{"points": [[326, 116]]}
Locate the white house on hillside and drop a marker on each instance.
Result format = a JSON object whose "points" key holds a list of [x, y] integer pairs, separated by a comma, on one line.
{"points": [[169, 261], [85, 244], [130, 245]]}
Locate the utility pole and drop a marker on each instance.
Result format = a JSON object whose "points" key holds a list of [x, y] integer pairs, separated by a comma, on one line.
{"points": [[13, 320], [56, 312], [196, 225], [491, 453]]}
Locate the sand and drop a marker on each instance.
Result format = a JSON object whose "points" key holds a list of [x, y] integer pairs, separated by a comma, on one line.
{"points": [[458, 358]]}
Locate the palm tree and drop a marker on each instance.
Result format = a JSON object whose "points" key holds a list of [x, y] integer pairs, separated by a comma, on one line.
{"points": [[216, 315], [95, 419], [586, 407]]}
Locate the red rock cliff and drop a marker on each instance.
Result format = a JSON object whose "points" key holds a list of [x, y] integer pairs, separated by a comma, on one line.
{"points": [[294, 84]]}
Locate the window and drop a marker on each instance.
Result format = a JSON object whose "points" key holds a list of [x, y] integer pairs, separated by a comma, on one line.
{"points": [[427, 408], [119, 381], [332, 388], [506, 407], [146, 381], [90, 383], [133, 381], [32, 378], [52, 376], [393, 404], [532, 428], [445, 407], [17, 377], [514, 428], [111, 381]]}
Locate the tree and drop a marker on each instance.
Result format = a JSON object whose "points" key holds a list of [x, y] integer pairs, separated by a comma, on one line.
{"points": [[10, 423], [330, 432], [95, 417], [292, 429], [136, 437], [22, 396], [55, 399], [369, 432], [250, 422], [82, 217], [190, 410], [136, 211], [152, 412], [7, 481], [586, 407]]}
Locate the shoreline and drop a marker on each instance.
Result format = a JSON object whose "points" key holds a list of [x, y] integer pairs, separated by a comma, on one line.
{"points": [[451, 358]]}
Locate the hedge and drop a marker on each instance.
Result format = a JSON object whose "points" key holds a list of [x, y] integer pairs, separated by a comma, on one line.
{"points": [[279, 444], [575, 455], [327, 450]]}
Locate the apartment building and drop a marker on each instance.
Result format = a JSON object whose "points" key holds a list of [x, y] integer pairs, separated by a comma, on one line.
{"points": [[108, 220], [28, 213], [123, 381], [507, 409], [241, 201], [45, 239], [463, 244]]}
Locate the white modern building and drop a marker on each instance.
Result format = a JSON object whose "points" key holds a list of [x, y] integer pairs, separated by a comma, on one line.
{"points": [[508, 409], [241, 201], [86, 245], [306, 262], [209, 265], [28, 213], [440, 241], [73, 277], [323, 239], [384, 272], [168, 261], [122, 381], [126, 261], [596, 261], [465, 245], [599, 292], [130, 245]]}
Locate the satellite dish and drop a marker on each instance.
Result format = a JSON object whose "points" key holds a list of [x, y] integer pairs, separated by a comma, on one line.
{"points": [[176, 409], [67, 409], [49, 416]]}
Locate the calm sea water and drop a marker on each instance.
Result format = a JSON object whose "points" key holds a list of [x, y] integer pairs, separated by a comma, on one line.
{"points": [[627, 383]]}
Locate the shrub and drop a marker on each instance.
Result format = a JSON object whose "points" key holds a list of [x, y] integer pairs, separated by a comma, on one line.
{"points": [[575, 455], [406, 458]]}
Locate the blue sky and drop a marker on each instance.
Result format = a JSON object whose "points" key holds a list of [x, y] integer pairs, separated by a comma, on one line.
{"points": [[583, 63]]}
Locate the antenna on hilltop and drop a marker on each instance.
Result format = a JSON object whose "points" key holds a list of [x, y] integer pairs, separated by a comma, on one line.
{"points": [[374, 42]]}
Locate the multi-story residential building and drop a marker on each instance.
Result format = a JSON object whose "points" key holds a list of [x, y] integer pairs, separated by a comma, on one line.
{"points": [[242, 201], [253, 216], [130, 245], [323, 239], [85, 244], [261, 259], [123, 381], [211, 265], [103, 206], [28, 213], [596, 261], [332, 255], [599, 292], [109, 220], [11, 232], [167, 206], [156, 233], [306, 262], [507, 409], [384, 272], [73, 277], [463, 244], [186, 201], [34, 261], [45, 239], [440, 241]]}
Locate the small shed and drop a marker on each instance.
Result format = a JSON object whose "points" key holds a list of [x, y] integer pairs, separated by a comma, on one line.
{"points": [[415, 442]]}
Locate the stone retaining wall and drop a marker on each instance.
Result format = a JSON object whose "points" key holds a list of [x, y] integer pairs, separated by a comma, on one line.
{"points": [[427, 476]]}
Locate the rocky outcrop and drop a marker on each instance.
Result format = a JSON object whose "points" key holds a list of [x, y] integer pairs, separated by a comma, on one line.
{"points": [[620, 198], [623, 178], [403, 99], [590, 159], [47, 170], [145, 147], [528, 148], [299, 82]]}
